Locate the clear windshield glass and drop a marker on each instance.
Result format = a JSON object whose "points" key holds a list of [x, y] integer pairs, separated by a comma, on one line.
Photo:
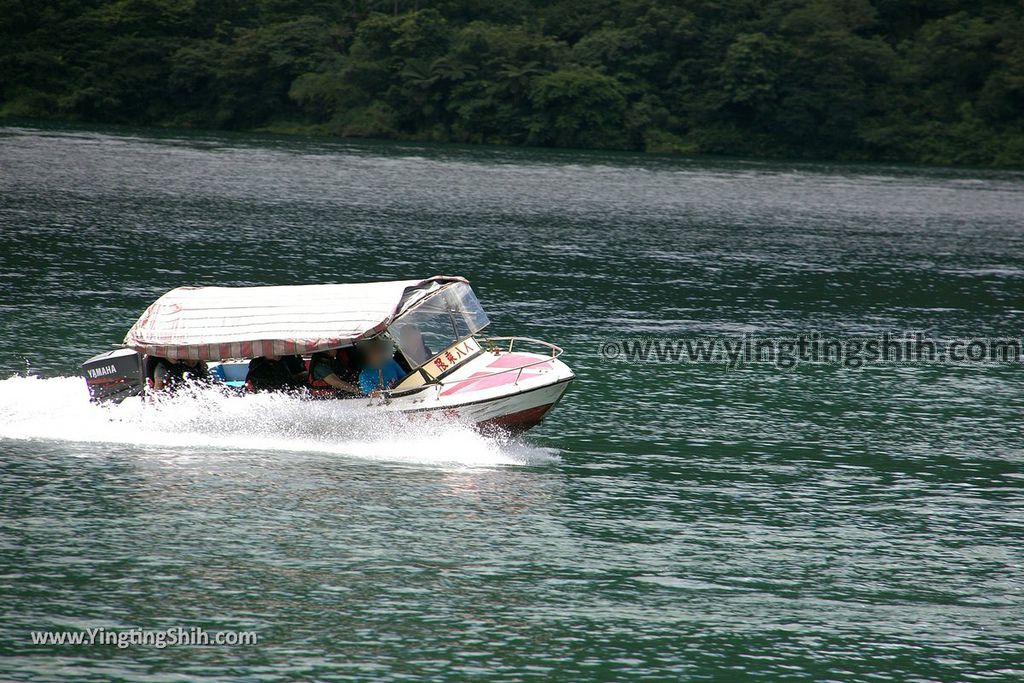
{"points": [[439, 321]]}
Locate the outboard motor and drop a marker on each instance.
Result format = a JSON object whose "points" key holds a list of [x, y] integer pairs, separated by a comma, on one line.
{"points": [[114, 376]]}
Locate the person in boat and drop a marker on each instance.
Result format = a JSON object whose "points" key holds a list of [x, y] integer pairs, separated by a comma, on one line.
{"points": [[276, 373], [382, 371], [170, 374], [332, 374], [415, 350]]}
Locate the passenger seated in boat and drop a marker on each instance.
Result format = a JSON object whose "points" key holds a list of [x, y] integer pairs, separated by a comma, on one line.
{"points": [[331, 374], [275, 373], [296, 366], [413, 347], [382, 371], [170, 374]]}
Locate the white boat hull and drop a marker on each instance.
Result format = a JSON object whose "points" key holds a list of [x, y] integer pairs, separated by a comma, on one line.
{"points": [[492, 389], [512, 397]]}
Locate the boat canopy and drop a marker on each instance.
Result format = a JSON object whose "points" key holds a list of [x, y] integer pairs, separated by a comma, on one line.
{"points": [[214, 323]]}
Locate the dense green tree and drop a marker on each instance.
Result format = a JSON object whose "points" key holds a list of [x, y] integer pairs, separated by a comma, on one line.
{"points": [[578, 107], [937, 81], [492, 103]]}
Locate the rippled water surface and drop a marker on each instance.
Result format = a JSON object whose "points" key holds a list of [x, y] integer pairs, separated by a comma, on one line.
{"points": [[666, 522]]}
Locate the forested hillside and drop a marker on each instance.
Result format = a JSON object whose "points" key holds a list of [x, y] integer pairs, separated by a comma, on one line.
{"points": [[933, 81]]}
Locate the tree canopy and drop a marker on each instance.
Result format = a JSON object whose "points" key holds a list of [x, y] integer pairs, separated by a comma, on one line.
{"points": [[931, 81]]}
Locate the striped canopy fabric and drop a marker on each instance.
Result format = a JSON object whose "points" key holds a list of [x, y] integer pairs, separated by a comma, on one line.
{"points": [[214, 323]]}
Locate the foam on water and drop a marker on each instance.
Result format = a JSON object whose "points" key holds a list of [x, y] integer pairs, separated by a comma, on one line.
{"points": [[59, 409]]}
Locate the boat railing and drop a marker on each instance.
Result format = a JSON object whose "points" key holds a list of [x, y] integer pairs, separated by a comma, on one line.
{"points": [[508, 345], [556, 351]]}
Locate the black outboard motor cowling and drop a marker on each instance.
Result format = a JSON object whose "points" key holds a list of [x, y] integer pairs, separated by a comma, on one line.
{"points": [[114, 376]]}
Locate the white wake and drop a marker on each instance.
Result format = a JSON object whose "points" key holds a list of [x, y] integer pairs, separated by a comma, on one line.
{"points": [[59, 409]]}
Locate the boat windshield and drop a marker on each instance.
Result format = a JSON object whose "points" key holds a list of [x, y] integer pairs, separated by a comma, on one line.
{"points": [[438, 322]]}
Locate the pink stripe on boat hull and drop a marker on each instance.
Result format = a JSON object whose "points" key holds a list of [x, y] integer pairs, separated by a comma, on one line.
{"points": [[515, 360]]}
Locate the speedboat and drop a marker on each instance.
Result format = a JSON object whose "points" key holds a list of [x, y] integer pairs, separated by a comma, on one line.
{"points": [[454, 371]]}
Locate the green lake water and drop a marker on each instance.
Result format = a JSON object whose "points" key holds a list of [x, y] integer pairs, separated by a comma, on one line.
{"points": [[670, 521]]}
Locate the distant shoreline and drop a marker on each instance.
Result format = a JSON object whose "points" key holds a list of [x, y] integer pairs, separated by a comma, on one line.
{"points": [[287, 133]]}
